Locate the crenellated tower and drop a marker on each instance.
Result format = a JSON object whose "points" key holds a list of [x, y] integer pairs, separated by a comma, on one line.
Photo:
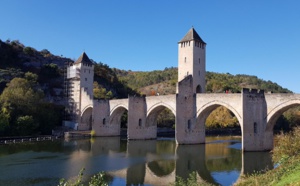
{"points": [[192, 60], [80, 78]]}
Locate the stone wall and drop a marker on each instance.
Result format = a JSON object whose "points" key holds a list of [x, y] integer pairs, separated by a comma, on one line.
{"points": [[137, 129], [101, 118]]}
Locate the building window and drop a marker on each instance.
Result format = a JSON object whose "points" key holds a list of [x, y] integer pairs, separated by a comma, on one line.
{"points": [[140, 122], [255, 128], [199, 61], [187, 73], [189, 124], [185, 59], [103, 121]]}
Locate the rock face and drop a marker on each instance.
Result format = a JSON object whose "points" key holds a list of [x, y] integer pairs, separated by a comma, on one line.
{"points": [[16, 60]]}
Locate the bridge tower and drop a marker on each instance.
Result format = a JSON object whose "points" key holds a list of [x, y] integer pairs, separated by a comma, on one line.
{"points": [[80, 78], [192, 60]]}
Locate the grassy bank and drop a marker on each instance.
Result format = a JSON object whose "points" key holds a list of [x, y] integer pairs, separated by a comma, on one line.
{"points": [[286, 154]]}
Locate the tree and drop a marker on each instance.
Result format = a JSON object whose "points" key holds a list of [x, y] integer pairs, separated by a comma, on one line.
{"points": [[28, 50], [20, 100], [25, 125], [4, 123], [31, 78]]}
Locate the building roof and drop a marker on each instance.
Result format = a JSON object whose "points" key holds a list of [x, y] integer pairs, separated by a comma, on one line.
{"points": [[191, 35], [84, 59]]}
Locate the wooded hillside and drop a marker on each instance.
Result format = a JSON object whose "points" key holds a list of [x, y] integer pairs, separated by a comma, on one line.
{"points": [[39, 76]]}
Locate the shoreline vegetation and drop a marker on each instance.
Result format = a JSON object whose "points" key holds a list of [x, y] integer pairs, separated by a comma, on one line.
{"points": [[286, 154]]}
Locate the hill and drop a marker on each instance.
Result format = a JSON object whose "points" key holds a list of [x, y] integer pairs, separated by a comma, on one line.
{"points": [[164, 82]]}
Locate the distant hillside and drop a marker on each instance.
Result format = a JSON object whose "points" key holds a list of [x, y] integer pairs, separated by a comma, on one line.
{"points": [[164, 82], [16, 59]]}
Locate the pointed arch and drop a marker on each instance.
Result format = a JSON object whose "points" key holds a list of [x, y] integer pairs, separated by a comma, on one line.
{"points": [[198, 89], [276, 112]]}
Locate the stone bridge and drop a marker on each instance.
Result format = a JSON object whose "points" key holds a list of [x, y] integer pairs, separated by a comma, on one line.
{"points": [[256, 112]]}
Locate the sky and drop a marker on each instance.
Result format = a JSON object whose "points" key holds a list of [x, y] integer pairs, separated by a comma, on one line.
{"points": [[253, 37]]}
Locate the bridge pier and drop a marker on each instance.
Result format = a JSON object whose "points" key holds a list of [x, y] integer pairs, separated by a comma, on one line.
{"points": [[137, 114], [186, 130], [101, 120], [254, 110]]}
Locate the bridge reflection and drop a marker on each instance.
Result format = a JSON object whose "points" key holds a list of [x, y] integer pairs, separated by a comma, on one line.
{"points": [[159, 162]]}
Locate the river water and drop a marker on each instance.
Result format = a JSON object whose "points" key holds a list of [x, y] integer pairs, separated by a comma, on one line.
{"points": [[151, 162]]}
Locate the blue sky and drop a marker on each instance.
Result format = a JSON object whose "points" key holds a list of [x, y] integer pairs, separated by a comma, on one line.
{"points": [[253, 37]]}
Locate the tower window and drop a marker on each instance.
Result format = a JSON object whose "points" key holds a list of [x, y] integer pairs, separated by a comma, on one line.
{"points": [[187, 73], [185, 59], [140, 122], [199, 60], [85, 79], [189, 124], [103, 121], [255, 128]]}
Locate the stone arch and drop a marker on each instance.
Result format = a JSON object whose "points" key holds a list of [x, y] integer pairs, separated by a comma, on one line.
{"points": [[198, 89], [276, 112], [86, 117], [206, 109], [154, 111], [116, 114]]}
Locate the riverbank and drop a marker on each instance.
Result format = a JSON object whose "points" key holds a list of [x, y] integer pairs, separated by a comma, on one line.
{"points": [[286, 154]]}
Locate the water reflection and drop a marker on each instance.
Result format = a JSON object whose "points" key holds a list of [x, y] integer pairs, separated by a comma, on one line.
{"points": [[153, 162], [256, 162]]}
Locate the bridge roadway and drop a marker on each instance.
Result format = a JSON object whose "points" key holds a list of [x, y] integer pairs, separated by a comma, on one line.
{"points": [[256, 112]]}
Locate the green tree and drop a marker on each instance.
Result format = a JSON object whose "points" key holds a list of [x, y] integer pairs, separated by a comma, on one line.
{"points": [[31, 78], [25, 125], [109, 95], [19, 99], [4, 123]]}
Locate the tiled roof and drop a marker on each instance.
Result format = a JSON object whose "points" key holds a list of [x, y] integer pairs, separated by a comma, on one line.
{"points": [[84, 59], [191, 35]]}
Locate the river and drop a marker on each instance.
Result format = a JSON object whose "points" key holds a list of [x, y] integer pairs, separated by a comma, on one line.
{"points": [[151, 162]]}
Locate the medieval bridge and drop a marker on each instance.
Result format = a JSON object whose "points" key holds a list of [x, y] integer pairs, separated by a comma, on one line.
{"points": [[256, 112]]}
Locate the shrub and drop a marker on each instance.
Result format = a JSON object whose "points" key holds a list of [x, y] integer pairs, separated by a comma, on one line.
{"points": [[28, 50], [288, 145]]}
